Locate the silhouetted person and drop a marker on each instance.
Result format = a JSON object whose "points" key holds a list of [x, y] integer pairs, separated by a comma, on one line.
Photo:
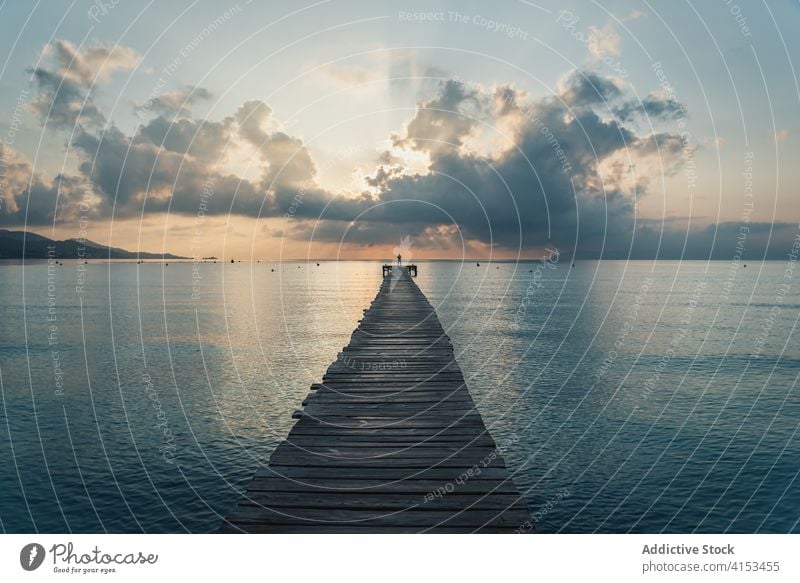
{"points": [[399, 258]]}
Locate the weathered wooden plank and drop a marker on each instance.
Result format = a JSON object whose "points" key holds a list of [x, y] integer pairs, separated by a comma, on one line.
{"points": [[421, 491], [379, 477], [382, 502], [512, 518], [345, 453], [356, 528]]}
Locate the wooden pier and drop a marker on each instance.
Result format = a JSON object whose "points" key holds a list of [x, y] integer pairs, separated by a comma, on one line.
{"points": [[390, 441], [411, 269]]}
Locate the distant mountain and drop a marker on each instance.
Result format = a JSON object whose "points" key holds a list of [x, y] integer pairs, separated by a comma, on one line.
{"points": [[39, 247]]}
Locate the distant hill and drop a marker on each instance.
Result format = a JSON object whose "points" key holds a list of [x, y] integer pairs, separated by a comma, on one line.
{"points": [[38, 247]]}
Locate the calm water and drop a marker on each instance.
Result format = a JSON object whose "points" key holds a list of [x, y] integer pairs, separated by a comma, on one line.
{"points": [[632, 396]]}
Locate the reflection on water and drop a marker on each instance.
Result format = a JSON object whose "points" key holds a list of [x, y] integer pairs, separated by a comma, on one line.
{"points": [[637, 389], [634, 397]]}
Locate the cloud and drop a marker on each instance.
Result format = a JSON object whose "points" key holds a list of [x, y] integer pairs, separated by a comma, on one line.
{"points": [[286, 159], [653, 107], [350, 75], [174, 103], [604, 41], [28, 198], [586, 88], [562, 171], [201, 139], [444, 122], [563, 179], [65, 81], [500, 170], [634, 15]]}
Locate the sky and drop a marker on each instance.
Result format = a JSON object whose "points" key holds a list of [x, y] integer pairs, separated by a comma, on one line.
{"points": [[349, 130]]}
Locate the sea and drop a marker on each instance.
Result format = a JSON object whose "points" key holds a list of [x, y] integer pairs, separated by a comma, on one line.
{"points": [[627, 396]]}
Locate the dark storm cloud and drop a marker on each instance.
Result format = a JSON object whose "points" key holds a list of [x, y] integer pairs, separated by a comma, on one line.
{"points": [[29, 199], [174, 103], [66, 78], [585, 88], [135, 176], [546, 188], [443, 122], [204, 140], [651, 107], [561, 174], [286, 159], [526, 197], [63, 103]]}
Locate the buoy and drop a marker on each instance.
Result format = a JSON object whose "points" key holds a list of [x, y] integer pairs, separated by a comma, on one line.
{"points": [[317, 264], [477, 265]]}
